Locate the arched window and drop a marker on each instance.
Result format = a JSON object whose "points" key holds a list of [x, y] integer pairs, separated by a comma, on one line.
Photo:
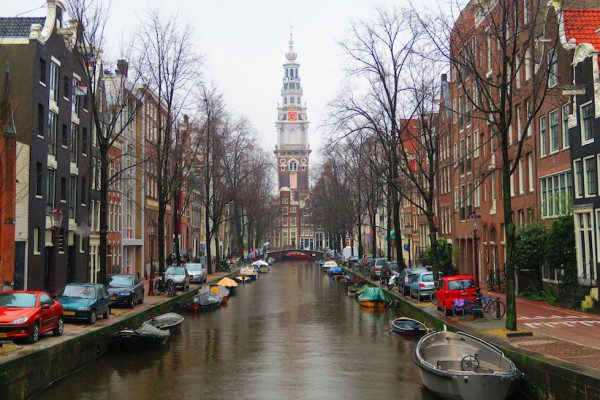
{"points": [[293, 166], [292, 100]]}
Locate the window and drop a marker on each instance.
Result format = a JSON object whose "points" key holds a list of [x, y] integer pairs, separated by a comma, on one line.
{"points": [[552, 68], [565, 125], [66, 85], [521, 180], [591, 176], [520, 132], [512, 185], [476, 200], [553, 117], [74, 142], [38, 179], [556, 194], [525, 12], [50, 190], [63, 189], [530, 177], [469, 153], [292, 100], [543, 136], [578, 171], [83, 190], [461, 161], [463, 196], [293, 166], [528, 116], [52, 122], [73, 197], [84, 140], [43, 71], [75, 98], [37, 250], [586, 124], [528, 65], [456, 200], [64, 136], [41, 118], [54, 73]]}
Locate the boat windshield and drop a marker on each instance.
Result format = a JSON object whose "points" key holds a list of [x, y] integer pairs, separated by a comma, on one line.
{"points": [[194, 267], [18, 300], [120, 281], [82, 292], [461, 284]]}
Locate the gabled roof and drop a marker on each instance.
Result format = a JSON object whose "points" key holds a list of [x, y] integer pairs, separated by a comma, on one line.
{"points": [[18, 26], [581, 25]]}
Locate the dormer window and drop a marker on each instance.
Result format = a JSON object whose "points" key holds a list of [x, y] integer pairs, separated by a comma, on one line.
{"points": [[59, 17]]}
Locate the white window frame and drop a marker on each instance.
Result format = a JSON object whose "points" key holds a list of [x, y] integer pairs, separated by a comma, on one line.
{"points": [[521, 180], [530, 170], [585, 176], [591, 139], [565, 124], [553, 147], [552, 68], [543, 136]]}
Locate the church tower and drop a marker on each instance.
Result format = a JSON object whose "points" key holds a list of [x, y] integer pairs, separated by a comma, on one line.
{"points": [[292, 152]]}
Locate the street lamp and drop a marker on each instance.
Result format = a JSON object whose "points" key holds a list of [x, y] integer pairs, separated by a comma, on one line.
{"points": [[56, 217], [151, 235]]}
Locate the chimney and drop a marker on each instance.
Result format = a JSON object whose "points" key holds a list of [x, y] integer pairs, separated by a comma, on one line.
{"points": [[122, 67], [186, 119], [444, 77]]}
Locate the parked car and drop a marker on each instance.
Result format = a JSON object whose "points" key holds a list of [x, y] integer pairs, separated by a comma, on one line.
{"points": [[405, 277], [421, 285], [125, 289], [178, 277], [26, 314], [85, 301], [197, 272], [455, 287], [375, 271]]}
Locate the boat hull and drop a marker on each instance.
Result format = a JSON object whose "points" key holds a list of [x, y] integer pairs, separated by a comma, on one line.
{"points": [[377, 305], [476, 387]]}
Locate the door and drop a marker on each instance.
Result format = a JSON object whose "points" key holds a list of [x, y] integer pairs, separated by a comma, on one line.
{"points": [[47, 315], [19, 277], [138, 289]]}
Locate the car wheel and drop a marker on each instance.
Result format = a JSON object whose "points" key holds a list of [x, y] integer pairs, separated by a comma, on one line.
{"points": [[444, 309], [142, 298], [34, 334], [60, 325], [93, 317], [106, 313], [131, 302], [419, 296]]}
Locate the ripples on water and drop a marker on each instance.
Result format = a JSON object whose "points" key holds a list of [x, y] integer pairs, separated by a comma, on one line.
{"points": [[293, 334]]}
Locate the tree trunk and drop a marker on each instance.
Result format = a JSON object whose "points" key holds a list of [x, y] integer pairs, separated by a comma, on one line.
{"points": [[103, 249], [435, 265], [360, 243], [389, 226], [161, 235], [397, 230], [217, 250], [239, 234], [176, 224], [509, 226], [374, 232]]}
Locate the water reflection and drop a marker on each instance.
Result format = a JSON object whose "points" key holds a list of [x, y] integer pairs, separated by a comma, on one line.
{"points": [[293, 334]]}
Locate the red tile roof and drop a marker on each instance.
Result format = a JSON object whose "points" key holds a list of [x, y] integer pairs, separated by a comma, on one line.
{"points": [[581, 25]]}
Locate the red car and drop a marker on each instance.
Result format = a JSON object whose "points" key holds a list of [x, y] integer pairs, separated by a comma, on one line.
{"points": [[25, 314], [455, 287]]}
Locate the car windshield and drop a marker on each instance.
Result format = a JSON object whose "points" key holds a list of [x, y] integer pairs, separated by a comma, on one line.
{"points": [[83, 292], [120, 280], [17, 300], [427, 278], [461, 284], [393, 266], [175, 271], [194, 267]]}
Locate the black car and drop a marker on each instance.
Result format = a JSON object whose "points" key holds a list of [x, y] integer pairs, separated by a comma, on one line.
{"points": [[125, 289]]}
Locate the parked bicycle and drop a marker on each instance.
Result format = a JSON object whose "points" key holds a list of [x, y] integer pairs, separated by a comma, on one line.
{"points": [[482, 307], [494, 283]]}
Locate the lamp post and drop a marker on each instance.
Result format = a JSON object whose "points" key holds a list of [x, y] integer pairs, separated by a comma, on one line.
{"points": [[151, 235], [56, 217]]}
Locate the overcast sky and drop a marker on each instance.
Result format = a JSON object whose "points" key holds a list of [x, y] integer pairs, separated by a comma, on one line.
{"points": [[244, 43]]}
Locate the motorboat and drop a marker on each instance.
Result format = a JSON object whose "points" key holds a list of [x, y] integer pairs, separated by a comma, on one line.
{"points": [[270, 260], [220, 291], [229, 284], [204, 301], [409, 326], [296, 255], [147, 336], [336, 271], [243, 279], [327, 265], [459, 366], [169, 321], [261, 266], [373, 297], [249, 271]]}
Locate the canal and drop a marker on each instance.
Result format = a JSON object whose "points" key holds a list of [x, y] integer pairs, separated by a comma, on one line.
{"points": [[293, 334]]}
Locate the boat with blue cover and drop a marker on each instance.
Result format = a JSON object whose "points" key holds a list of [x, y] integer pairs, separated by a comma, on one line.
{"points": [[409, 326]]}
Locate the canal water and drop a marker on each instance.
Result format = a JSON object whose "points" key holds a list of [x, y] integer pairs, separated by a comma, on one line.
{"points": [[292, 334]]}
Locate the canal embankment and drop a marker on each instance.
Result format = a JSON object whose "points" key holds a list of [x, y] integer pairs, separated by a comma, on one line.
{"points": [[34, 368], [546, 376]]}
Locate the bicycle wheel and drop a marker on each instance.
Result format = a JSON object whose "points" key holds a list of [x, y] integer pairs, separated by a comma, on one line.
{"points": [[433, 299], [488, 306], [458, 312]]}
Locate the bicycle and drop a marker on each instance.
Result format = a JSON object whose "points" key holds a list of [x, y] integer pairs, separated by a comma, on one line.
{"points": [[433, 298], [481, 307], [494, 283]]}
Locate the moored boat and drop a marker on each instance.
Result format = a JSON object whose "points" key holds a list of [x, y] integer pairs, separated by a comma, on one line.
{"points": [[220, 291], [249, 271], [204, 302], [147, 336], [169, 321], [336, 271], [459, 366], [355, 287], [295, 255], [409, 326], [243, 279], [373, 297], [229, 284]]}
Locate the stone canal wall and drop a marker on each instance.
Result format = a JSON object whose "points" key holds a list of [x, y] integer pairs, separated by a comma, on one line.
{"points": [[29, 374], [545, 378]]}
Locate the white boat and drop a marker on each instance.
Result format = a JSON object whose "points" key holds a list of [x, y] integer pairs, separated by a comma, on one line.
{"points": [[328, 264], [261, 266], [458, 366]]}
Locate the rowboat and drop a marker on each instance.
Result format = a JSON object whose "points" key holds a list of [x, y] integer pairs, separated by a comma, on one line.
{"points": [[147, 336], [229, 284], [249, 271], [458, 366], [204, 302], [409, 326], [373, 297], [220, 291], [169, 321]]}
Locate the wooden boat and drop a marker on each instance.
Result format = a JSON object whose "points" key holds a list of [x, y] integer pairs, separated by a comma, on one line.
{"points": [[458, 366], [204, 302], [295, 255], [409, 326], [373, 297], [220, 291], [169, 321], [147, 336]]}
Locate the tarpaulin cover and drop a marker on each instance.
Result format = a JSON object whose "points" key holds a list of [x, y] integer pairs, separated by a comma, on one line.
{"points": [[336, 270], [373, 294]]}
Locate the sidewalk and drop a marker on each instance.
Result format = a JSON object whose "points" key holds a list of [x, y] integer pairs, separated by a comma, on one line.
{"points": [[565, 335], [74, 328]]}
